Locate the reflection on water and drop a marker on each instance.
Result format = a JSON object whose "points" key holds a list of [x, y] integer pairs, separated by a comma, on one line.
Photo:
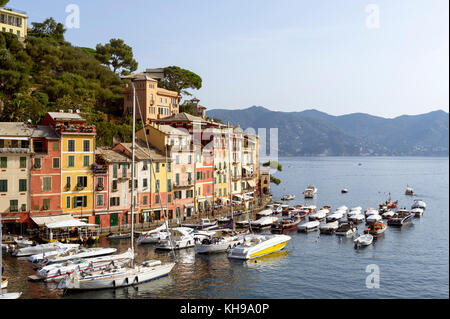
{"points": [[313, 265]]}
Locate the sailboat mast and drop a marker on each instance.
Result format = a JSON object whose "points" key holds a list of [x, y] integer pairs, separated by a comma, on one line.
{"points": [[133, 146], [229, 168]]}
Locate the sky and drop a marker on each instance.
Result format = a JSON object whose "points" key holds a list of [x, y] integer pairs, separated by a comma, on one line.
{"points": [[380, 57]]}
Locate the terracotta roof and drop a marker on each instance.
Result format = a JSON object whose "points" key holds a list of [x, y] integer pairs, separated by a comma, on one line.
{"points": [[17, 129], [139, 76], [143, 153], [113, 156], [65, 116], [181, 117]]}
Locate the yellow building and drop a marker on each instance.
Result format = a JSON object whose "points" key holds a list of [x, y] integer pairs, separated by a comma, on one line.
{"points": [[221, 165], [77, 157], [13, 22], [151, 102]]}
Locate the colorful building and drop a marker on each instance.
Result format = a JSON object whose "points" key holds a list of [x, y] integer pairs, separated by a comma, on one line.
{"points": [[14, 21], [77, 157]]}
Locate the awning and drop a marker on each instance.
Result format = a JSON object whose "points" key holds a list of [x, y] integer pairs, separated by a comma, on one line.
{"points": [[44, 220], [5, 218], [14, 138], [69, 223], [251, 183]]}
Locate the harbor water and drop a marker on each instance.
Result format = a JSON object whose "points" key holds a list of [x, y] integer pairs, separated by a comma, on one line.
{"points": [[413, 261]]}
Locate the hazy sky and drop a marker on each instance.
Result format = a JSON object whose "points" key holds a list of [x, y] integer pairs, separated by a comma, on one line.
{"points": [[334, 56]]}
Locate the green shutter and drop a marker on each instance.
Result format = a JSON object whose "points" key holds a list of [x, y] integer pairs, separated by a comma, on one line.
{"points": [[23, 162]]}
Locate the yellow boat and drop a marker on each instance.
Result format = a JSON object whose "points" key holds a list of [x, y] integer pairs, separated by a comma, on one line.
{"points": [[259, 245]]}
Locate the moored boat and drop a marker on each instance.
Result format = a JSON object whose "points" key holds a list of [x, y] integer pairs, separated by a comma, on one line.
{"points": [[356, 218], [308, 226], [259, 245], [263, 213], [320, 215], [329, 228], [288, 197], [205, 223], [337, 215], [46, 248], [409, 191], [373, 218], [179, 238], [388, 214], [81, 252], [263, 222], [221, 241], [346, 229], [376, 229], [418, 203], [418, 212], [288, 223], [400, 218], [363, 240], [310, 191]]}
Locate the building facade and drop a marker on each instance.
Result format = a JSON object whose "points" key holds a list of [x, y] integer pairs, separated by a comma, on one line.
{"points": [[14, 21]]}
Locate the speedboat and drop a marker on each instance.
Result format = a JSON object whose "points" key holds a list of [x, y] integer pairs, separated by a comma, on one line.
{"points": [[346, 229], [115, 276], [259, 245], [81, 252], [335, 216], [56, 272], [418, 212], [388, 214], [400, 218], [320, 215], [179, 238], [221, 241], [39, 257], [418, 203], [373, 218], [309, 226], [329, 228], [23, 242], [263, 213], [263, 222], [46, 248], [363, 240], [153, 236], [376, 229], [286, 223], [310, 191], [288, 197]]}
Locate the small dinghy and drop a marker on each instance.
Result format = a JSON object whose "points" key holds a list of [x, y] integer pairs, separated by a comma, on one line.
{"points": [[418, 212], [400, 218], [344, 191], [342, 208], [320, 215], [363, 240], [373, 218], [335, 216], [376, 229], [309, 226], [356, 218], [286, 223], [418, 203], [388, 214], [371, 211], [288, 197], [263, 213], [409, 191], [329, 228]]}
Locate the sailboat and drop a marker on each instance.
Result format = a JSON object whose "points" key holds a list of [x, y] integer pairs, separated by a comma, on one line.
{"points": [[4, 281], [116, 276]]}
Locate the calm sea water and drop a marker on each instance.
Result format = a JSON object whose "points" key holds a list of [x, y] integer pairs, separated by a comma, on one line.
{"points": [[413, 261]]}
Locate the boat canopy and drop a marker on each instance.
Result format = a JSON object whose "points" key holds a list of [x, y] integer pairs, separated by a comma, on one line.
{"points": [[45, 220]]}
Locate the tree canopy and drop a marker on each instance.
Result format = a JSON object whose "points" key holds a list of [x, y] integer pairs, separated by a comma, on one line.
{"points": [[117, 55], [48, 28], [3, 2], [180, 80]]}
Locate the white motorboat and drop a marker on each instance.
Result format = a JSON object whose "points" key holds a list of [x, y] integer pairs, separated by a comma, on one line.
{"points": [[205, 223], [400, 218], [418, 203], [263, 213], [56, 272], [23, 242], [342, 208], [119, 236], [179, 238], [371, 211], [356, 218], [373, 218], [263, 222], [39, 257], [46, 248], [153, 236], [81, 252], [329, 228], [418, 212], [363, 240], [309, 226], [388, 214], [358, 208], [310, 191], [277, 209], [288, 197], [335, 216], [243, 223], [259, 245], [320, 215], [346, 229], [221, 241]]}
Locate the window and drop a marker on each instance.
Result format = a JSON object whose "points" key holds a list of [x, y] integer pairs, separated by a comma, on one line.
{"points": [[81, 181], [56, 146], [115, 171], [23, 162], [177, 159], [3, 185], [37, 163], [190, 159], [169, 167], [71, 145], [157, 167], [46, 204], [114, 186], [169, 185], [144, 183], [157, 185], [80, 201], [71, 161], [169, 198], [68, 202], [124, 170], [86, 146], [47, 184], [115, 201], [145, 200], [207, 174], [3, 162], [177, 179], [14, 205], [100, 183], [224, 178], [208, 189], [56, 163], [189, 178], [100, 200], [68, 182], [22, 185], [157, 199], [86, 159]]}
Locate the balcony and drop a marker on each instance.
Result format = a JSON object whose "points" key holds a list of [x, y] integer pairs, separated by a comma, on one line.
{"points": [[61, 128], [80, 187], [188, 183]]}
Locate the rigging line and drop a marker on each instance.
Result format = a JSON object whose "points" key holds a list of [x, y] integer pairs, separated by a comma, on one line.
{"points": [[154, 176]]}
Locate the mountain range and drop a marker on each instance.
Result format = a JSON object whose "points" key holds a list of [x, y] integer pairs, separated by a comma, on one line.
{"points": [[315, 133]]}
